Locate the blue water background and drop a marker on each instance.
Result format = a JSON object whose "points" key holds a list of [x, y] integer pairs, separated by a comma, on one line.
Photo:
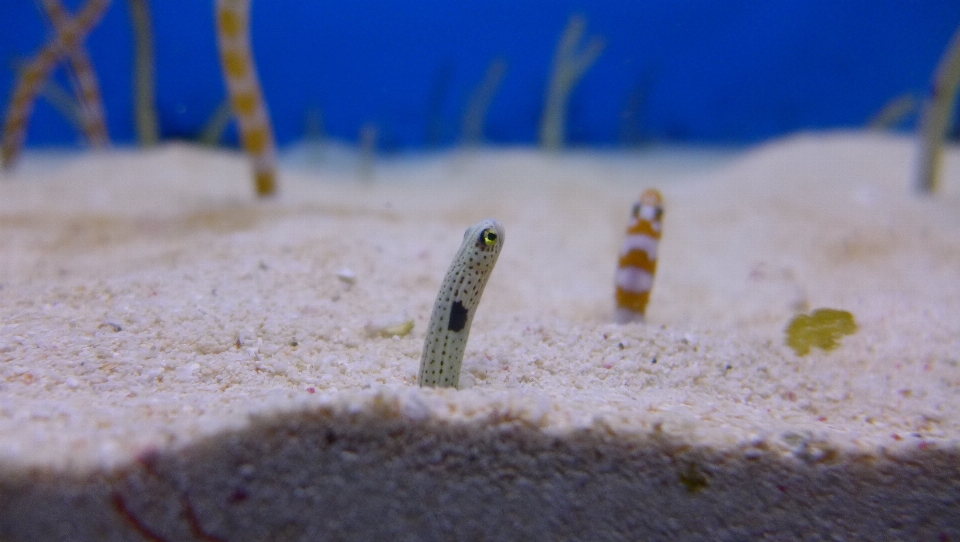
{"points": [[686, 71]]}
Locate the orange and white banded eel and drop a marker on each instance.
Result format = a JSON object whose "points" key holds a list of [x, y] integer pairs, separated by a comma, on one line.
{"points": [[66, 42], [638, 258], [246, 97]]}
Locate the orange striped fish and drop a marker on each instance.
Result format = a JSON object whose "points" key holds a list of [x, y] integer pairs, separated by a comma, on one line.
{"points": [[638, 258], [249, 108]]}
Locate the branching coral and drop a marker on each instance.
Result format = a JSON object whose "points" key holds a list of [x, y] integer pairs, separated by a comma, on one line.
{"points": [[893, 112], [66, 42], [216, 125], [60, 98], [569, 66], [476, 113], [85, 78], [246, 97], [937, 114]]}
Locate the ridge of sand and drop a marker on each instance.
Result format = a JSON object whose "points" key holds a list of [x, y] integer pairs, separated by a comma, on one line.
{"points": [[151, 308]]}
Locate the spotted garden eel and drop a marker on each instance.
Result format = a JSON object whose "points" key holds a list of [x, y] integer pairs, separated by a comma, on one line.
{"points": [[456, 304]]}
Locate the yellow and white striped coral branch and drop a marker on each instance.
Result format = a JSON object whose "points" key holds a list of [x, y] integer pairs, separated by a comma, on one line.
{"points": [[33, 76], [246, 97]]}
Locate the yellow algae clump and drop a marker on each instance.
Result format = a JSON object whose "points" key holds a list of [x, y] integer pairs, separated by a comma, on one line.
{"points": [[821, 328]]}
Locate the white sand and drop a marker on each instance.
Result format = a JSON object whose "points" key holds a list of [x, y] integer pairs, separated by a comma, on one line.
{"points": [[181, 361]]}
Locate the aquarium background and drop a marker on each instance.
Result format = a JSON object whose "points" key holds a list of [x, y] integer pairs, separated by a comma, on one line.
{"points": [[684, 71]]}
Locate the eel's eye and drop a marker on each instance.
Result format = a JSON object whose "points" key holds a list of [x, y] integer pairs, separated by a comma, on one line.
{"points": [[490, 237]]}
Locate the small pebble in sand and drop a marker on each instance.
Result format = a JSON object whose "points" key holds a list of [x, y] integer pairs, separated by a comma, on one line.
{"points": [[115, 327], [389, 326], [347, 275]]}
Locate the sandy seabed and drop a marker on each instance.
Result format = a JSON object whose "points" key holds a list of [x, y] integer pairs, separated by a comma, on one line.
{"points": [[180, 361]]}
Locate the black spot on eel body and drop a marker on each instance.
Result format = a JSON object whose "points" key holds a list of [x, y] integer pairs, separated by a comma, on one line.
{"points": [[458, 316]]}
